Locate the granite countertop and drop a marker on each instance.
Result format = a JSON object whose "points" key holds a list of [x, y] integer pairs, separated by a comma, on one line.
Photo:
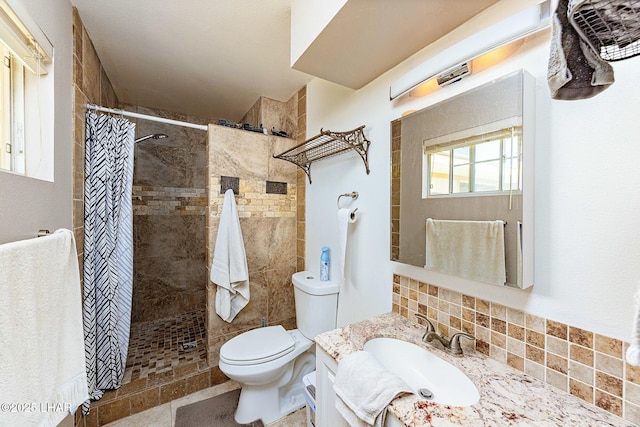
{"points": [[507, 396]]}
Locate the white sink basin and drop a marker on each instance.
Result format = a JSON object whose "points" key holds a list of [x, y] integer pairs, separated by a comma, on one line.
{"points": [[423, 370]]}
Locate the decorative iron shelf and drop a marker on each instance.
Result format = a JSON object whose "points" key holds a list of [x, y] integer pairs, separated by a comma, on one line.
{"points": [[327, 144]]}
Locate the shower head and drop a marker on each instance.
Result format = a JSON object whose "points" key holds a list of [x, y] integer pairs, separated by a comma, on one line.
{"points": [[154, 136]]}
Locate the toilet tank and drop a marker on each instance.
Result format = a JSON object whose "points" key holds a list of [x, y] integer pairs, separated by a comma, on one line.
{"points": [[316, 303]]}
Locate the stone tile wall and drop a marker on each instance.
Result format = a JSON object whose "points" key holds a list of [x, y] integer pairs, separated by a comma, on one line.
{"points": [[270, 114], [268, 223], [90, 85], [149, 200], [396, 139], [588, 365], [169, 207], [301, 180]]}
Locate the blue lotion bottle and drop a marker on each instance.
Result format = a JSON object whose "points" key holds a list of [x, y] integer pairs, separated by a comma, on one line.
{"points": [[324, 264]]}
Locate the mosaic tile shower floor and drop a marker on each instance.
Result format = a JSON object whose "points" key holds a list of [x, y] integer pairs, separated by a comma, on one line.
{"points": [[158, 346]]}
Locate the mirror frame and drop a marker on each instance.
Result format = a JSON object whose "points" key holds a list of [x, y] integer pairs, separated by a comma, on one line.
{"points": [[528, 104]]}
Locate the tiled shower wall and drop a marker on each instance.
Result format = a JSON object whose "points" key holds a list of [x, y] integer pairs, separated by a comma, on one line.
{"points": [[583, 363], [90, 85], [269, 113], [301, 180], [268, 223], [169, 205]]}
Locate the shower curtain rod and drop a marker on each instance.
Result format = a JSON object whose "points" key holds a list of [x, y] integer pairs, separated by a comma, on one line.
{"points": [[146, 117]]}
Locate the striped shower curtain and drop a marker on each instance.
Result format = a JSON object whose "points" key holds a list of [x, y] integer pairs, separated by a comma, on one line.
{"points": [[108, 249]]}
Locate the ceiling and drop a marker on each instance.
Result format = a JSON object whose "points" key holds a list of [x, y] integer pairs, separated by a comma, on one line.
{"points": [[214, 58]]}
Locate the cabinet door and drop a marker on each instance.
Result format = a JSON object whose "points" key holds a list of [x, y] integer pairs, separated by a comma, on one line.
{"points": [[326, 413]]}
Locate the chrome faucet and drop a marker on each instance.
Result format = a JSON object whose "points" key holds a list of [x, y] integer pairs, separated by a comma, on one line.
{"points": [[450, 345], [430, 327], [453, 345]]}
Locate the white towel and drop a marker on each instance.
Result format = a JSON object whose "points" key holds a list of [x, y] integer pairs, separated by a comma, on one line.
{"points": [[345, 217], [574, 71], [364, 389], [42, 364], [229, 266], [470, 249], [633, 352]]}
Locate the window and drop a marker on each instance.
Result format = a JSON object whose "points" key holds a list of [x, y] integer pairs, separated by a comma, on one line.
{"points": [[486, 163], [26, 95]]}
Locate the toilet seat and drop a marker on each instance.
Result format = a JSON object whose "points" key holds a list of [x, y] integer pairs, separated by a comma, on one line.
{"points": [[257, 346]]}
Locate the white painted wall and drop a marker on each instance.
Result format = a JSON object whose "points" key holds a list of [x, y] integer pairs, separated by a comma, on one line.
{"points": [[587, 226], [28, 204]]}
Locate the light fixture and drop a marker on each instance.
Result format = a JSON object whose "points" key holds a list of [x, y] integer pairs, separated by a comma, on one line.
{"points": [[449, 65]]}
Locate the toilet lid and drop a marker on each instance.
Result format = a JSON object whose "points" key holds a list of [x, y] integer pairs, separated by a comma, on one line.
{"points": [[257, 346]]}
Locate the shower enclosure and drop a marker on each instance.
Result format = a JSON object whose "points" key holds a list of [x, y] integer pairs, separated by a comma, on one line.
{"points": [[169, 203]]}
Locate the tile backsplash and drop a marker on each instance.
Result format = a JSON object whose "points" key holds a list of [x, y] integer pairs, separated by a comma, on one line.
{"points": [[587, 365]]}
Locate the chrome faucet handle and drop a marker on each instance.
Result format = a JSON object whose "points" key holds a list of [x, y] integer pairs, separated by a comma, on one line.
{"points": [[430, 327], [454, 344]]}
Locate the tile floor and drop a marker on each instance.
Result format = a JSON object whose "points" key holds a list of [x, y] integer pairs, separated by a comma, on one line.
{"points": [[164, 415], [162, 366], [156, 347]]}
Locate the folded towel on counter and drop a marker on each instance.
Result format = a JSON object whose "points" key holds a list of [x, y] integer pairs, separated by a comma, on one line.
{"points": [[364, 389], [42, 363], [229, 266], [575, 70]]}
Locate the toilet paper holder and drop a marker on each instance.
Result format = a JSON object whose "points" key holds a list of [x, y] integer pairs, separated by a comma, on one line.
{"points": [[353, 195]]}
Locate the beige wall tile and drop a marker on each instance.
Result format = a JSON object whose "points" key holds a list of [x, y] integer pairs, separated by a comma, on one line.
{"points": [[559, 354], [581, 354], [515, 316], [557, 329], [535, 323], [557, 379], [581, 372], [581, 390], [581, 337], [608, 402], [557, 346], [609, 365], [610, 346]]}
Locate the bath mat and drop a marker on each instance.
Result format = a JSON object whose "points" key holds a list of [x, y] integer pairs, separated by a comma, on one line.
{"points": [[215, 411]]}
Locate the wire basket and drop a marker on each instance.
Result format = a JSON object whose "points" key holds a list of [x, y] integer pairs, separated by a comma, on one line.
{"points": [[610, 27]]}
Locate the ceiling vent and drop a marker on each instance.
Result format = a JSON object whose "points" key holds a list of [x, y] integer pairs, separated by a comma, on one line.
{"points": [[454, 74]]}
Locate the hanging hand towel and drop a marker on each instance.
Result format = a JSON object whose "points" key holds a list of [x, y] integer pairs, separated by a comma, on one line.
{"points": [[575, 71], [470, 249], [42, 363], [229, 266], [633, 352], [364, 389]]}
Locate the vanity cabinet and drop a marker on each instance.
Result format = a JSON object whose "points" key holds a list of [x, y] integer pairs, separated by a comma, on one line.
{"points": [[326, 413]]}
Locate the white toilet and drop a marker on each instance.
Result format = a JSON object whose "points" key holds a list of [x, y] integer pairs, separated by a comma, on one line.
{"points": [[270, 362]]}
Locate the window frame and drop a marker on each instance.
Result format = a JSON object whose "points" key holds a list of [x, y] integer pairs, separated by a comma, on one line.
{"points": [[446, 146]]}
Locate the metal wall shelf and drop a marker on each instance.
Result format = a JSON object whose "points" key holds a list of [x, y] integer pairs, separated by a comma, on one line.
{"points": [[327, 144]]}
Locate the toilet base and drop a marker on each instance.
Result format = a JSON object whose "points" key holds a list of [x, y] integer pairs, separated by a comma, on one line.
{"points": [[271, 402]]}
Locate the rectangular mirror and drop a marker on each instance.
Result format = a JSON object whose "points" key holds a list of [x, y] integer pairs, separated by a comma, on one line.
{"points": [[468, 161]]}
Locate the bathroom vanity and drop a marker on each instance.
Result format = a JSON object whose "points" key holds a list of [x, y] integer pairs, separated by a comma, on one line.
{"points": [[507, 396]]}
